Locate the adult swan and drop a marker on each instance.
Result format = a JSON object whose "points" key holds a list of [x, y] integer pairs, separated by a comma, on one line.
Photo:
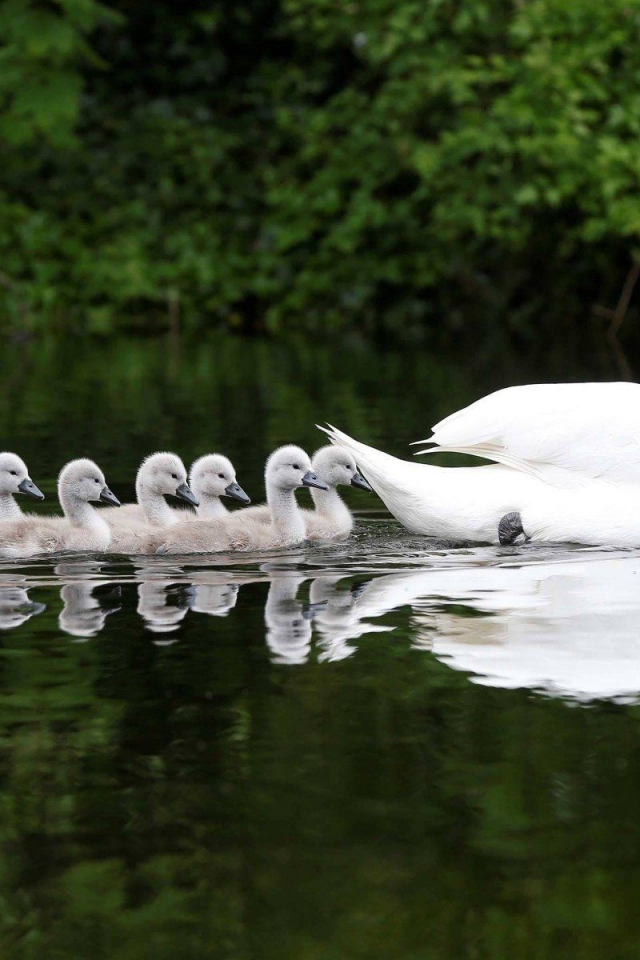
{"points": [[549, 441]]}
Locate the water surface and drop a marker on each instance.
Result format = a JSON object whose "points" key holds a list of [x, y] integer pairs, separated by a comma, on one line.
{"points": [[387, 748]]}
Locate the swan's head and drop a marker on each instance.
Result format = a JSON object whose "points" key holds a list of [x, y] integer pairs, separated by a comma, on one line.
{"points": [[163, 474], [289, 467], [337, 467], [84, 480], [14, 477], [214, 476]]}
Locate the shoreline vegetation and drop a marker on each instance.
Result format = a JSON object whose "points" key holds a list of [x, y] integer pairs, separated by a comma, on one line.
{"points": [[409, 172]]}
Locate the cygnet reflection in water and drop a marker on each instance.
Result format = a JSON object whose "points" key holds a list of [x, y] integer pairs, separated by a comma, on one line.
{"points": [[163, 605], [16, 607], [288, 626]]}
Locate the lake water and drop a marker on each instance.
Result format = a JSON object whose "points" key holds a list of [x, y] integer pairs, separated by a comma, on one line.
{"points": [[386, 749]]}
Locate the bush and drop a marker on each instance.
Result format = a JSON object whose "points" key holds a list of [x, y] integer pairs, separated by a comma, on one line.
{"points": [[394, 166]]}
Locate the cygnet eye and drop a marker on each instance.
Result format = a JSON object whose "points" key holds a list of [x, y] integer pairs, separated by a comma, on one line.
{"points": [[222, 476], [14, 473], [296, 466], [174, 476], [95, 480]]}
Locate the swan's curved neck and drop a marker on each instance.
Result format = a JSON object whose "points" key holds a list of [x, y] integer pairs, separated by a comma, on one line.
{"points": [[330, 504], [285, 513], [210, 507], [9, 509], [79, 513], [154, 506]]}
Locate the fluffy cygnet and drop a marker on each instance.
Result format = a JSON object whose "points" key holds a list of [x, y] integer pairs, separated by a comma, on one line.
{"points": [[212, 477], [80, 483], [14, 478], [287, 469], [160, 475], [331, 519]]}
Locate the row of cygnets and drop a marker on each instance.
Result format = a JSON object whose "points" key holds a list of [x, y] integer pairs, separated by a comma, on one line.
{"points": [[205, 526]]}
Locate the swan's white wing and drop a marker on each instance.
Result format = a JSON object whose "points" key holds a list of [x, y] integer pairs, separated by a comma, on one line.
{"points": [[583, 429]]}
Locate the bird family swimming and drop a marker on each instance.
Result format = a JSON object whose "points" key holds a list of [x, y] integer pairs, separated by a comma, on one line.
{"points": [[566, 468]]}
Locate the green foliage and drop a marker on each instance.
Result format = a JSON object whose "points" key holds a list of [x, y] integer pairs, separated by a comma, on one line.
{"points": [[312, 164]]}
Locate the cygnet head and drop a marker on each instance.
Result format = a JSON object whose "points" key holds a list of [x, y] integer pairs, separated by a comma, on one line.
{"points": [[213, 476], [14, 477], [289, 468], [337, 467], [164, 474], [84, 480]]}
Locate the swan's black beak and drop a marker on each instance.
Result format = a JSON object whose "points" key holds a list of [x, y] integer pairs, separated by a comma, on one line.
{"points": [[107, 497], [235, 490], [313, 480], [359, 481], [185, 493], [28, 486]]}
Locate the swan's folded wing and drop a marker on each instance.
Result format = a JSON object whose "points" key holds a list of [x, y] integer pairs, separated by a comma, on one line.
{"points": [[579, 429]]}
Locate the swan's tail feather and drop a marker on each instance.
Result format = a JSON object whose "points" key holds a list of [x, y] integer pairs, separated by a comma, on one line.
{"points": [[388, 475]]}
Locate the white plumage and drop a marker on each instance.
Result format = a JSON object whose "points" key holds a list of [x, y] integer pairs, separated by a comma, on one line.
{"points": [[564, 433], [460, 503]]}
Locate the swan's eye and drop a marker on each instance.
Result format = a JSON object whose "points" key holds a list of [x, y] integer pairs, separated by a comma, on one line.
{"points": [[14, 473], [174, 476], [296, 466], [222, 476], [95, 480]]}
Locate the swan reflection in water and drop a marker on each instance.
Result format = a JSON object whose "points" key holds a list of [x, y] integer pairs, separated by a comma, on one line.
{"points": [[569, 628]]}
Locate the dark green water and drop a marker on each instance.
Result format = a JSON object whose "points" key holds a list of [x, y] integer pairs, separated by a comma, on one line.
{"points": [[381, 750]]}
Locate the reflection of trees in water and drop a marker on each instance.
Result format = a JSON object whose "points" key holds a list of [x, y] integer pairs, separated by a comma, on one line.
{"points": [[207, 798]]}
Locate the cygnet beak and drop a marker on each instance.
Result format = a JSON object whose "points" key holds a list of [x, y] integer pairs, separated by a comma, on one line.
{"points": [[313, 480], [28, 486], [235, 490], [184, 492], [359, 481], [107, 497]]}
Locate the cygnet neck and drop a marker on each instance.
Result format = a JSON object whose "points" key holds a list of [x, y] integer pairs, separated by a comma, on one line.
{"points": [[210, 506], [79, 513], [329, 504], [9, 509], [154, 506], [285, 513]]}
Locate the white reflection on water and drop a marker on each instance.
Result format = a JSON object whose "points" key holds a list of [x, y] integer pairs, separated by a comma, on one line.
{"points": [[559, 621], [570, 629]]}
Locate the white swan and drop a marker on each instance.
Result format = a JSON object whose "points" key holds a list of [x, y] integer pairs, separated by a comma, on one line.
{"points": [[601, 513], [583, 439], [14, 478], [81, 528], [559, 432], [159, 475], [457, 503], [331, 519], [287, 469], [212, 477]]}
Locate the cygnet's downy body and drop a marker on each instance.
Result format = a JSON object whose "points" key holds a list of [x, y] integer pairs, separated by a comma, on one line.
{"points": [[14, 478], [80, 483], [212, 477], [287, 469], [331, 519], [160, 475]]}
